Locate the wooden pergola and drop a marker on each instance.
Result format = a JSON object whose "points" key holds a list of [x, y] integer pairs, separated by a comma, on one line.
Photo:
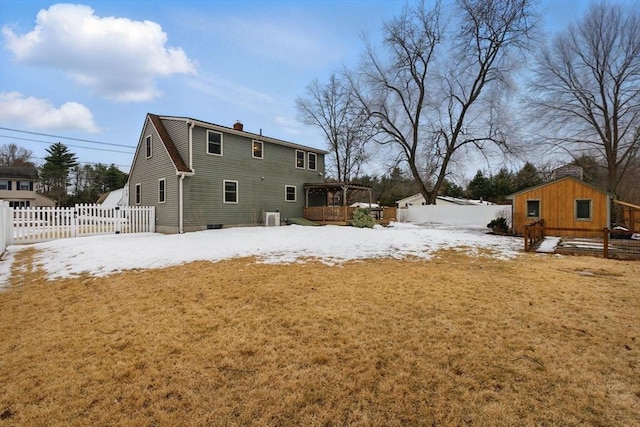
{"points": [[334, 189], [327, 203]]}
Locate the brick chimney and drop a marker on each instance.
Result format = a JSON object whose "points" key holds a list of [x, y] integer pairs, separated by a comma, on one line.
{"points": [[238, 125]]}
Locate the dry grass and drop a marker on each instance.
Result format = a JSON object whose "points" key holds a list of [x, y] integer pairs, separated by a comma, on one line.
{"points": [[455, 341]]}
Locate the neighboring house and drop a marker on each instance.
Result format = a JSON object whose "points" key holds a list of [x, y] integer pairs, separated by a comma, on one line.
{"points": [[201, 175], [564, 203], [17, 187], [112, 199], [419, 200]]}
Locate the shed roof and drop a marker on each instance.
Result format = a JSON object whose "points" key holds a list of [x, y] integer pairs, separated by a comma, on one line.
{"points": [[526, 190]]}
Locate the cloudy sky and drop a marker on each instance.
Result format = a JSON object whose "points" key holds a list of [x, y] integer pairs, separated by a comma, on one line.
{"points": [[86, 74]]}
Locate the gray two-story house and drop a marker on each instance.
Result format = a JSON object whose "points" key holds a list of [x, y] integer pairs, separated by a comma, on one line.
{"points": [[201, 175]]}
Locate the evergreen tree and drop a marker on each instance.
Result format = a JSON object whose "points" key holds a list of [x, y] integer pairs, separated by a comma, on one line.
{"points": [[528, 176], [54, 174]]}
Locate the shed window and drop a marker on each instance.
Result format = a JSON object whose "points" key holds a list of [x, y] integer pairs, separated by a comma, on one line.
{"points": [[214, 143], [230, 191], [290, 193], [533, 208], [300, 159], [257, 150], [583, 209]]}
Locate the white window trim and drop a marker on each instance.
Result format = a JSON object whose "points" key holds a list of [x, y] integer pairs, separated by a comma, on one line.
{"points": [[304, 159], [527, 210], [261, 149], [164, 181], [137, 195], [221, 143], [575, 210], [315, 162], [148, 138], [295, 193], [224, 192]]}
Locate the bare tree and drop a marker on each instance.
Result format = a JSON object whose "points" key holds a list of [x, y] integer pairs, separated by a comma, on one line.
{"points": [[13, 155], [586, 89], [436, 90], [332, 109]]}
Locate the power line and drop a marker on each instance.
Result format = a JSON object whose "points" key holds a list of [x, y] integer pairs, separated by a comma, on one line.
{"points": [[67, 137], [90, 163], [68, 145]]}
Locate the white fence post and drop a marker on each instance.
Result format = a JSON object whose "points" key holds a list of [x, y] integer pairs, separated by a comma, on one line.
{"points": [[6, 226]]}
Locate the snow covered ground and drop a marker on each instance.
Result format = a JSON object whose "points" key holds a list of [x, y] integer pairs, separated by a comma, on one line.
{"points": [[102, 255]]}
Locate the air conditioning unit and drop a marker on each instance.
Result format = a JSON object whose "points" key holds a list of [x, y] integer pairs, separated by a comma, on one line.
{"points": [[272, 219]]}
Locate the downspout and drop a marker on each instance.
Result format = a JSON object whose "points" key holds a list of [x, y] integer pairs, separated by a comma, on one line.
{"points": [[180, 204]]}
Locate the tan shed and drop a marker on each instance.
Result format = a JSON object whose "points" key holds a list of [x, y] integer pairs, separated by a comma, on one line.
{"points": [[564, 203]]}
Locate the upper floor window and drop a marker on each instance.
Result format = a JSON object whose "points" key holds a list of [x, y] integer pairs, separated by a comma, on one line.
{"points": [[161, 190], [138, 194], [24, 185], [5, 184], [230, 189], [533, 208], [312, 161], [300, 159], [147, 146], [583, 209], [290, 193], [257, 150], [214, 143]]}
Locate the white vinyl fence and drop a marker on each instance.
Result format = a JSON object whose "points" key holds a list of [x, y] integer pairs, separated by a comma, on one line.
{"points": [[6, 227], [454, 214], [30, 225]]}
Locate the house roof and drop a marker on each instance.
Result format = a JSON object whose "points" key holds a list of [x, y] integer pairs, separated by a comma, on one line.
{"points": [[526, 190], [177, 160], [19, 172], [244, 133]]}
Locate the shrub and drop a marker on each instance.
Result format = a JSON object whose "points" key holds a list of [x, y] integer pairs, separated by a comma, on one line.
{"points": [[362, 219], [499, 225]]}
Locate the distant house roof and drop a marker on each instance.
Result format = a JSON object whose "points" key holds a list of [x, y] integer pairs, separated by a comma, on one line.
{"points": [[419, 199], [18, 172], [111, 199]]}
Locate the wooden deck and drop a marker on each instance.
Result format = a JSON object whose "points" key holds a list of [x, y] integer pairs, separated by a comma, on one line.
{"points": [[341, 215]]}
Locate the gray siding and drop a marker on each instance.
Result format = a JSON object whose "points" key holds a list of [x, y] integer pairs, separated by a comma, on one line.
{"points": [[261, 182], [179, 132], [147, 172]]}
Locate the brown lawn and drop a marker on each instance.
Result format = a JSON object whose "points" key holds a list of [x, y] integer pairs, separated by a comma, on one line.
{"points": [[539, 340]]}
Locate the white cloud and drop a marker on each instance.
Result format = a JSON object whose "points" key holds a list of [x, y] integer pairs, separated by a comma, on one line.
{"points": [[288, 125], [116, 57], [41, 114]]}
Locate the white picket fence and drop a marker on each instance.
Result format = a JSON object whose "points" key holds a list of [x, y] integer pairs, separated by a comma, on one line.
{"points": [[39, 224]]}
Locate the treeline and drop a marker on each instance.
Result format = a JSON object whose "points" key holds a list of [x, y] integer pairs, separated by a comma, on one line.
{"points": [[62, 178], [388, 189]]}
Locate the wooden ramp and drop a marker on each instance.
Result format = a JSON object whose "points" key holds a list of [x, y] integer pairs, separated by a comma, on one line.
{"points": [[302, 221]]}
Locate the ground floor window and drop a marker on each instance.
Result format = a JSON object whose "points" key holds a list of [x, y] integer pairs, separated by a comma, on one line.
{"points": [[19, 203], [290, 193], [230, 189], [583, 209], [161, 190]]}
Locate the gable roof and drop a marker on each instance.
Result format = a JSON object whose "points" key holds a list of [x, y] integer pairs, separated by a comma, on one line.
{"points": [[251, 135], [526, 190], [19, 172], [175, 156]]}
